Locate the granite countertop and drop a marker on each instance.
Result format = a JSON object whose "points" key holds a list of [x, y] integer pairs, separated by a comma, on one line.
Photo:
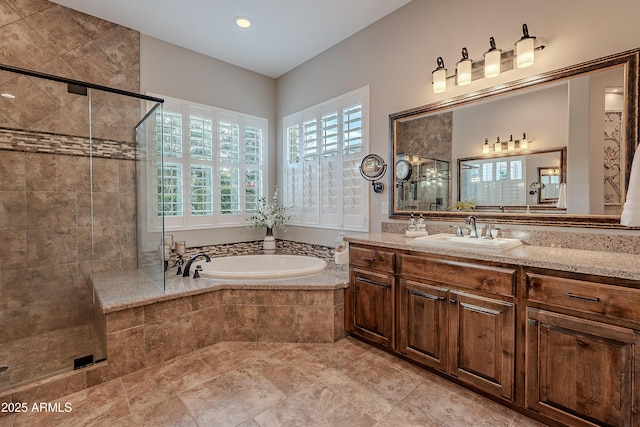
{"points": [[118, 290], [609, 264]]}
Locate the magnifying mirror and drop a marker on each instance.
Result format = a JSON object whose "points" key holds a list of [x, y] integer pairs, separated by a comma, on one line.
{"points": [[372, 169]]}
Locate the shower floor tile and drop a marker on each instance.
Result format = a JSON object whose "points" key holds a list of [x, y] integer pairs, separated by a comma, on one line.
{"points": [[343, 384], [44, 355]]}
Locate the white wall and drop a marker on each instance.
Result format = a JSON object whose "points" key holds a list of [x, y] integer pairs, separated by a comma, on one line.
{"points": [[172, 71], [396, 55]]}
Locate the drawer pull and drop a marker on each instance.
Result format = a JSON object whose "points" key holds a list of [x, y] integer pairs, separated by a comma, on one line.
{"points": [[372, 282], [592, 299], [368, 259], [423, 295]]}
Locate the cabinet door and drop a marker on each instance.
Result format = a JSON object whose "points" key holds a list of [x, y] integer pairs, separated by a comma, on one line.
{"points": [[581, 372], [371, 306], [422, 323], [482, 342]]}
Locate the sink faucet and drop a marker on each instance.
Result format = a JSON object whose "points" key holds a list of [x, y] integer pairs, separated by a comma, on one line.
{"points": [[471, 222], [193, 258]]}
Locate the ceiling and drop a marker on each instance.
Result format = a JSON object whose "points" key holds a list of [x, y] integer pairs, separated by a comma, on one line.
{"points": [[284, 34]]}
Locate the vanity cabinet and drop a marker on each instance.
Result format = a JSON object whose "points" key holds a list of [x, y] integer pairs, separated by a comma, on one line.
{"points": [[370, 297], [459, 318], [560, 346], [583, 351]]}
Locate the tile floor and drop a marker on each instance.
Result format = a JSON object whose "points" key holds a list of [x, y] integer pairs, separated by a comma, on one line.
{"points": [[270, 384]]}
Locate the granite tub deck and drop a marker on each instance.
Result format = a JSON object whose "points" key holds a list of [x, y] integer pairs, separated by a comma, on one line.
{"points": [[144, 325]]}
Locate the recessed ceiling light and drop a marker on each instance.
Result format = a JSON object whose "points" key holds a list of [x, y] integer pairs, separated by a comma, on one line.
{"points": [[242, 21], [7, 95]]}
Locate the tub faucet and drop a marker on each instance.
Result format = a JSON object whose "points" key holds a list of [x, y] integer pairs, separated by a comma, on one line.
{"points": [[471, 222], [185, 272]]}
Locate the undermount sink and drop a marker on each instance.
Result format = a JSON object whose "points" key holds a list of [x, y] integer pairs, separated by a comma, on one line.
{"points": [[456, 242]]}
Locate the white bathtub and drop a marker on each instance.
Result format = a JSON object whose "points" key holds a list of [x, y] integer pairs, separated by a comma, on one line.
{"points": [[260, 266]]}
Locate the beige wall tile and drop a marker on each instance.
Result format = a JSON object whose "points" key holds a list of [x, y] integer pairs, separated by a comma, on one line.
{"points": [[13, 210], [12, 170]]}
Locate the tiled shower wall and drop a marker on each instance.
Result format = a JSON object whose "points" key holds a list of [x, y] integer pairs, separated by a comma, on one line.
{"points": [[49, 243]]}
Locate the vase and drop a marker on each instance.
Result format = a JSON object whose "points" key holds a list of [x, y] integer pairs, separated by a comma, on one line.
{"points": [[269, 244]]}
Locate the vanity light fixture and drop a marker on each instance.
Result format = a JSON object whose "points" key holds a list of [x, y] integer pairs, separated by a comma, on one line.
{"points": [[242, 22], [439, 77], [497, 147], [509, 146], [492, 60], [495, 62], [525, 48], [463, 69], [486, 148]]}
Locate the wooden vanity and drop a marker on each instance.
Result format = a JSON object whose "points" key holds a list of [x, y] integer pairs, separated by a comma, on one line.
{"points": [[560, 346]]}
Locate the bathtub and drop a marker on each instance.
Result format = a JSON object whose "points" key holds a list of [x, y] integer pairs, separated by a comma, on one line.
{"points": [[260, 266]]}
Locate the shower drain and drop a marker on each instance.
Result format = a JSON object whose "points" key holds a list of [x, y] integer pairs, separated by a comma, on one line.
{"points": [[3, 368]]}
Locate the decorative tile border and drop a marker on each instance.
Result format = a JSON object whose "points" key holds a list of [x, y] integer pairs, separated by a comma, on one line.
{"points": [[247, 248], [49, 143]]}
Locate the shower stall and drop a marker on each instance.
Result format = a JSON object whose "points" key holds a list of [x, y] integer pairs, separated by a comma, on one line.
{"points": [[74, 158]]}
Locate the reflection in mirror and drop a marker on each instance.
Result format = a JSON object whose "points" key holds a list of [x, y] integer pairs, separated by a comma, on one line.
{"points": [[510, 182], [549, 179], [589, 110], [422, 184]]}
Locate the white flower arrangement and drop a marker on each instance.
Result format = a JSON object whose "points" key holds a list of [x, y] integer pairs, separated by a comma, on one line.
{"points": [[269, 214]]}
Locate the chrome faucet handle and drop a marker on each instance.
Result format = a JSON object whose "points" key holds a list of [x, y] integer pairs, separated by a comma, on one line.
{"points": [[458, 230], [488, 231]]}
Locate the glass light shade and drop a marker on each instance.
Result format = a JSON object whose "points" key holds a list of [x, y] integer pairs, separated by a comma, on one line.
{"points": [[525, 48], [485, 148], [511, 145], [439, 80], [492, 59], [497, 147], [463, 72], [524, 143]]}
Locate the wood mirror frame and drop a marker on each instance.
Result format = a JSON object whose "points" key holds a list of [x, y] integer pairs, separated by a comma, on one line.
{"points": [[630, 59]]}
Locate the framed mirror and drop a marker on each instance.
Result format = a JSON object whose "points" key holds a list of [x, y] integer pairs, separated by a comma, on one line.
{"points": [[586, 114]]}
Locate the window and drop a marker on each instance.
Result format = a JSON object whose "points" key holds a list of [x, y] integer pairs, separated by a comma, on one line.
{"points": [[324, 146], [212, 166]]}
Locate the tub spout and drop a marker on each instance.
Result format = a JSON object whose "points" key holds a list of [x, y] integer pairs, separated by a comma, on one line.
{"points": [[185, 272]]}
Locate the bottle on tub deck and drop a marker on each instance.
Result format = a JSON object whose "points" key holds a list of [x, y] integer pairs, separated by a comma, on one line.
{"points": [[341, 255], [420, 225]]}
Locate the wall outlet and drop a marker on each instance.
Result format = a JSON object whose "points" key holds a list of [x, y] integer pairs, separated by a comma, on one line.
{"points": [[384, 208]]}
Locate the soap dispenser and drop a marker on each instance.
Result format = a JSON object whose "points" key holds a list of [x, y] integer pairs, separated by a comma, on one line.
{"points": [[420, 226], [412, 223]]}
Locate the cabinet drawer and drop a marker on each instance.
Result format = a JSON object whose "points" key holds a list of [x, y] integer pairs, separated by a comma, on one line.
{"points": [[471, 276], [372, 259], [598, 298]]}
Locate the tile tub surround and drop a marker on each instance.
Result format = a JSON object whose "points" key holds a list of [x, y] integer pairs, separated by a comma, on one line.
{"points": [[145, 326]]}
